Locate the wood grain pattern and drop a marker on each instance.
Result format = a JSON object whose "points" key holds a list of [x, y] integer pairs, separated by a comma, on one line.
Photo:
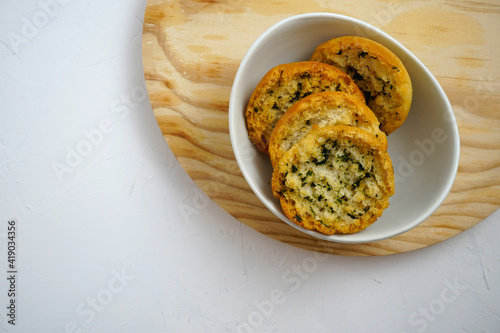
{"points": [[191, 52]]}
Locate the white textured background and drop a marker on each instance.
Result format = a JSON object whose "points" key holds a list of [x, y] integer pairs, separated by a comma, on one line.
{"points": [[121, 240]]}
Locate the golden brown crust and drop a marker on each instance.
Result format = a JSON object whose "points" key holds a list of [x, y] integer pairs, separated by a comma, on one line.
{"points": [[337, 179], [377, 71], [317, 110], [284, 85]]}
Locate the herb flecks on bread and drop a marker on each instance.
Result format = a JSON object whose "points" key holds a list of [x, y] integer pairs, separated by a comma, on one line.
{"points": [[324, 123], [286, 84], [337, 179], [318, 110], [377, 71]]}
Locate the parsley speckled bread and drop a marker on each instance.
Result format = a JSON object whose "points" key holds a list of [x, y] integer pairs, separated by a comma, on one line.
{"points": [[317, 110], [284, 85], [377, 71], [337, 179]]}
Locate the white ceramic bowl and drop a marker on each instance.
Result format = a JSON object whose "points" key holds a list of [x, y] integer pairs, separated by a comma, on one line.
{"points": [[424, 151]]}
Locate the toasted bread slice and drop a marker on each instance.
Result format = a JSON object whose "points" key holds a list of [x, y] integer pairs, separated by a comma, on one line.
{"points": [[337, 179], [318, 110], [284, 85], [377, 71]]}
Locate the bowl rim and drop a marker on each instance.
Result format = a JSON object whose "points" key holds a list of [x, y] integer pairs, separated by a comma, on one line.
{"points": [[338, 238]]}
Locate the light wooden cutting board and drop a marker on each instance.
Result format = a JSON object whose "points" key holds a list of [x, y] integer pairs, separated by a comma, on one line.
{"points": [[192, 50]]}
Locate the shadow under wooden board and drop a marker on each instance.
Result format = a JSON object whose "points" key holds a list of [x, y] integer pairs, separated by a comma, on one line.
{"points": [[192, 50]]}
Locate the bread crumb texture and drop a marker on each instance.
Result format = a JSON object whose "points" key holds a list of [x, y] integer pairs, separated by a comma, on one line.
{"points": [[286, 84], [318, 110], [337, 179], [377, 71]]}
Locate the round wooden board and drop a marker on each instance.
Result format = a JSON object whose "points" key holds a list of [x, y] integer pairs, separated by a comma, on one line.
{"points": [[192, 50]]}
